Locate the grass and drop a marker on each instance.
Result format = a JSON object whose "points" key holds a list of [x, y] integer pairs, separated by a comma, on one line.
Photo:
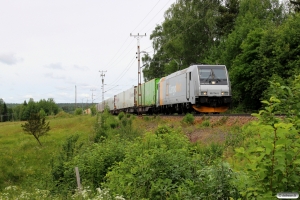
{"points": [[23, 161]]}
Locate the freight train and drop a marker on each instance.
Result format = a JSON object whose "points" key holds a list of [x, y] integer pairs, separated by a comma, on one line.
{"points": [[199, 88]]}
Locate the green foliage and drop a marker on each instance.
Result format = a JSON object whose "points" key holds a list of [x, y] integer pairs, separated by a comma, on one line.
{"points": [[42, 113], [63, 114], [4, 114], [236, 136], [109, 126], [22, 112], [121, 115], [211, 152], [205, 123], [180, 40], [162, 130], [62, 183], [36, 126], [96, 161], [14, 192], [78, 111], [167, 166], [49, 106], [93, 110], [188, 119], [272, 156]]}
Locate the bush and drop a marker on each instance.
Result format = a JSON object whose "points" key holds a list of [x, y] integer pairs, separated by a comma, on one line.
{"points": [[167, 166], [63, 114], [78, 111], [188, 119], [94, 162], [271, 158], [121, 115], [93, 110], [205, 123], [62, 183]]}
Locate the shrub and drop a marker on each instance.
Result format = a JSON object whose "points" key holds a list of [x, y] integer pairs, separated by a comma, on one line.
{"points": [[188, 119], [95, 161], [121, 115], [93, 110], [42, 113], [166, 165], [63, 114], [272, 158], [205, 123], [62, 184], [78, 111]]}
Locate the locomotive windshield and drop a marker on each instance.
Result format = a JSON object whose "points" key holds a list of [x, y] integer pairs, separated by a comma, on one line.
{"points": [[212, 75]]}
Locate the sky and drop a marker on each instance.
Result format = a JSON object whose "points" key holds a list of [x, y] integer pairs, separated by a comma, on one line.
{"points": [[47, 47]]}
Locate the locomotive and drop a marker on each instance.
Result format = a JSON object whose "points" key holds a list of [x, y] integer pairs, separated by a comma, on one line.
{"points": [[199, 88]]}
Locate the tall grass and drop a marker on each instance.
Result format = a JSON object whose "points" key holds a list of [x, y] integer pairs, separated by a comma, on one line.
{"points": [[23, 162]]}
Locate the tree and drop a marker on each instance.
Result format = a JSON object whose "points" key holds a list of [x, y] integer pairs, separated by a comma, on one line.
{"points": [[296, 4], [36, 126], [78, 111], [93, 110]]}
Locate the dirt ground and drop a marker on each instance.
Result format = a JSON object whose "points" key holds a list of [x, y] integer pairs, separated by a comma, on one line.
{"points": [[209, 129]]}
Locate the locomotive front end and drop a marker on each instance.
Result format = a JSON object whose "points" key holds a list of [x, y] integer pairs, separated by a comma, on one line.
{"points": [[214, 89]]}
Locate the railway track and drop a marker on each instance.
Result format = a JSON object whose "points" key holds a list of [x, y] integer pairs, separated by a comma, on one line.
{"points": [[209, 115]]}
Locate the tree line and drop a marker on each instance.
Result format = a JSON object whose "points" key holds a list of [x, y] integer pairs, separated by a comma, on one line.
{"points": [[258, 41], [4, 111], [43, 107], [23, 111]]}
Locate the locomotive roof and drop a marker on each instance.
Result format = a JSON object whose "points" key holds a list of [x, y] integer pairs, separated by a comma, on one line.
{"points": [[190, 68]]}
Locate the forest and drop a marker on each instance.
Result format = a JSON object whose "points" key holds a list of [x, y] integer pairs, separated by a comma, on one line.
{"points": [[258, 41]]}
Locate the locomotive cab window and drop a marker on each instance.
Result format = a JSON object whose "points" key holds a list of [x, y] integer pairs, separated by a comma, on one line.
{"points": [[212, 75]]}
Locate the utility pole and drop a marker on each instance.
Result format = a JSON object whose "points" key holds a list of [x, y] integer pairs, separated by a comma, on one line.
{"points": [[102, 75], [139, 100], [93, 95]]}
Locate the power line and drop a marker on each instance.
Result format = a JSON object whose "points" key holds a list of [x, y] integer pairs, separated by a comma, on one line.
{"points": [[123, 73]]}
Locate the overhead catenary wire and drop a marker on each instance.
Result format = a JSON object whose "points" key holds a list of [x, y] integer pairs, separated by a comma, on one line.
{"points": [[113, 60], [124, 53]]}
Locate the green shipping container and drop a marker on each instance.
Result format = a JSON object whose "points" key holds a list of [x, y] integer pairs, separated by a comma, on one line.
{"points": [[149, 92]]}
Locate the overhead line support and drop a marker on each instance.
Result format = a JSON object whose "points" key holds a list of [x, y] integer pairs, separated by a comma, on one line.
{"points": [[102, 75], [139, 100]]}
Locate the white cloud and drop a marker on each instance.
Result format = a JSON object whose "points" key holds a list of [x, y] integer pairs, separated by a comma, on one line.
{"points": [[9, 59], [52, 76], [54, 66], [27, 96], [76, 67]]}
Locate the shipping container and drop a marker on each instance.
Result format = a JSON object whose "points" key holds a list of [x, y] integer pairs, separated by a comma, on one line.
{"points": [[148, 95]]}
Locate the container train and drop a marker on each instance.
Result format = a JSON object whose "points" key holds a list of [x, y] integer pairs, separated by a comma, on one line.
{"points": [[200, 88]]}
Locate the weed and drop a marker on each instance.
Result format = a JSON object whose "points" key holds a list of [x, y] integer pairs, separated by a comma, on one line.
{"points": [[205, 123], [121, 115], [220, 122], [188, 119], [146, 118]]}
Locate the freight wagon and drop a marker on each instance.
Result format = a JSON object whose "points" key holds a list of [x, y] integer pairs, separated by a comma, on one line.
{"points": [[200, 88]]}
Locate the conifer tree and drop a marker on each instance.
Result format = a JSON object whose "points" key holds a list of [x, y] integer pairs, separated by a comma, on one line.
{"points": [[36, 126]]}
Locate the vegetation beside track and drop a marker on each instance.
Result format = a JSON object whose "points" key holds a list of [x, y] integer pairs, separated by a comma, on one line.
{"points": [[129, 157]]}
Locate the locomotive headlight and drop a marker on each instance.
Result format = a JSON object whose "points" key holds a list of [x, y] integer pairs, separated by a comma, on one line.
{"points": [[203, 93], [213, 82], [224, 93]]}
